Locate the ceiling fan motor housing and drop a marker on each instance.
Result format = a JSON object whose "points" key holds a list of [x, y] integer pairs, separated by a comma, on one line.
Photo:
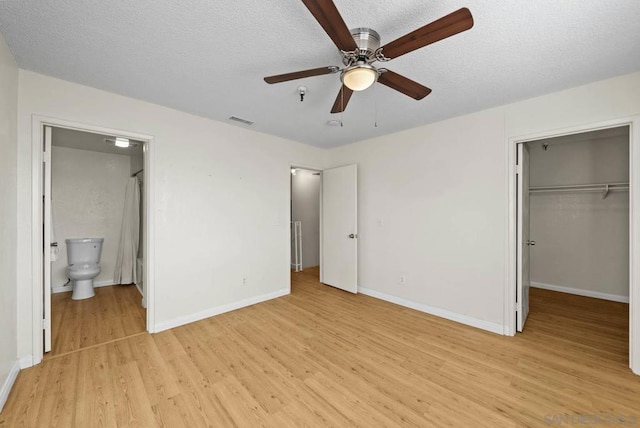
{"points": [[368, 42]]}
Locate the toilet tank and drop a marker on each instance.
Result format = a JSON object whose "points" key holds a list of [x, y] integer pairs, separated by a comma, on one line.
{"points": [[84, 250]]}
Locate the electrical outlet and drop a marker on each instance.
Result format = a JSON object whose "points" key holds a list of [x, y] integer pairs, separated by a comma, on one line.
{"points": [[244, 280], [380, 222], [402, 280]]}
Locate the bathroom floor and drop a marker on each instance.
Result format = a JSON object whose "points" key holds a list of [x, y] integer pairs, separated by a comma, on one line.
{"points": [[114, 313]]}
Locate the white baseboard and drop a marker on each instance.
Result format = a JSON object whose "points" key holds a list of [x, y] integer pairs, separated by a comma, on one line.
{"points": [[8, 383], [26, 362], [177, 322], [580, 292], [67, 288], [439, 312]]}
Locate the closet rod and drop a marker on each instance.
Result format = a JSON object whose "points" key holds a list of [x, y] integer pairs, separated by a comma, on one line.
{"points": [[605, 188], [573, 186], [136, 173]]}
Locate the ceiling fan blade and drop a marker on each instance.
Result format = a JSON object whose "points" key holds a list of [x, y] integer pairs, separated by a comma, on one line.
{"points": [[329, 18], [300, 74], [454, 23], [404, 85], [342, 100]]}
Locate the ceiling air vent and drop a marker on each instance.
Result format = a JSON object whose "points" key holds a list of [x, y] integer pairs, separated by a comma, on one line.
{"points": [[243, 121]]}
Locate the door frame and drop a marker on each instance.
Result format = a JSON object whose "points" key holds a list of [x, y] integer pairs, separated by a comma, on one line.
{"points": [[38, 123], [634, 225], [289, 209], [522, 284]]}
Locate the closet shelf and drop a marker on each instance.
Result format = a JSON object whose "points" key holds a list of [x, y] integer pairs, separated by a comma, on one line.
{"points": [[604, 188]]}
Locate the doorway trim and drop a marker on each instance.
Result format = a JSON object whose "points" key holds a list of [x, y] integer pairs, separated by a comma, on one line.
{"points": [[634, 225], [38, 122]]}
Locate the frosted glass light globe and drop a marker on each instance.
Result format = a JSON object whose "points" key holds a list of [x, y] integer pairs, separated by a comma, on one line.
{"points": [[359, 77]]}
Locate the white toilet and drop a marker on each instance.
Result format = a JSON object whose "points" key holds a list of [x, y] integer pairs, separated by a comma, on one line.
{"points": [[83, 255]]}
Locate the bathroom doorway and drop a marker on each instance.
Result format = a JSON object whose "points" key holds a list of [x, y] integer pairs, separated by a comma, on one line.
{"points": [[93, 186]]}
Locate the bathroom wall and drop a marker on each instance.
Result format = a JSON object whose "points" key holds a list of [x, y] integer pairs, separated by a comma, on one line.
{"points": [[582, 240], [305, 207], [137, 164], [8, 221], [87, 192]]}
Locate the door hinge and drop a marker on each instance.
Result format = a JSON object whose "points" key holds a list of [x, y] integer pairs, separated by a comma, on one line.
{"points": [[518, 169], [518, 307], [44, 324]]}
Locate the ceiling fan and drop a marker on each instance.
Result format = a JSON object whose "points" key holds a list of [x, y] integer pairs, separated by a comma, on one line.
{"points": [[360, 48]]}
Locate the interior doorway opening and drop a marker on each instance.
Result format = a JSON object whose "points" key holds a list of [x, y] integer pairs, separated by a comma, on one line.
{"points": [[327, 201], [574, 241], [306, 191], [93, 206], [42, 251]]}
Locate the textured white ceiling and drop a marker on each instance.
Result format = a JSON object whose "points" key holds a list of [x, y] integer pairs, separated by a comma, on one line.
{"points": [[209, 57], [72, 139]]}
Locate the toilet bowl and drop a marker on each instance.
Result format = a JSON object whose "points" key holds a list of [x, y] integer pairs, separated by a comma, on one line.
{"points": [[83, 255], [82, 275]]}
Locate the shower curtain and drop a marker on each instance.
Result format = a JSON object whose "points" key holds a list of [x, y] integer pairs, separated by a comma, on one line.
{"points": [[125, 272]]}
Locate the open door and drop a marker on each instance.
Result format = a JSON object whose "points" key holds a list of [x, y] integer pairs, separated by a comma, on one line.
{"points": [[47, 244], [339, 263], [523, 238]]}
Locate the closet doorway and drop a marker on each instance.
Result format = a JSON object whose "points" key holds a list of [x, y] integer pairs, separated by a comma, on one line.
{"points": [[574, 216]]}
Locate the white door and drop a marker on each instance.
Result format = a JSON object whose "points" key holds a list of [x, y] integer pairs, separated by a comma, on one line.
{"points": [[524, 240], [46, 271], [339, 264]]}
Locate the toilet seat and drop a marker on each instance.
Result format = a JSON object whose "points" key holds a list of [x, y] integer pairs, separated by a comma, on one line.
{"points": [[83, 266], [83, 270]]}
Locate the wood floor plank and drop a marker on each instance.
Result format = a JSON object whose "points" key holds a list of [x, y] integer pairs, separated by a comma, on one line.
{"points": [[160, 384], [94, 389], [113, 313], [176, 412], [289, 362], [132, 405]]}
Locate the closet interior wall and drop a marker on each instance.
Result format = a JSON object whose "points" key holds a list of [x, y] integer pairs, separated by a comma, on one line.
{"points": [[582, 237]]}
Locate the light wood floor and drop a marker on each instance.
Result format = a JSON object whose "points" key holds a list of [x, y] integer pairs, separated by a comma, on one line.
{"points": [[323, 357], [113, 313]]}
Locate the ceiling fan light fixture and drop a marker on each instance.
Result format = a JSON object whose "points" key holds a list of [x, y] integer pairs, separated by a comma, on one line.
{"points": [[359, 77]]}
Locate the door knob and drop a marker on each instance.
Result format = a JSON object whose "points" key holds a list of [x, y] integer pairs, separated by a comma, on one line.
{"points": [[353, 236], [54, 244], [530, 242]]}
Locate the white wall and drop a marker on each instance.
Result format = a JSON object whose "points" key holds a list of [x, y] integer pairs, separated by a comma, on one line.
{"points": [[305, 206], [431, 209], [8, 219], [221, 200], [87, 198], [582, 240], [433, 200]]}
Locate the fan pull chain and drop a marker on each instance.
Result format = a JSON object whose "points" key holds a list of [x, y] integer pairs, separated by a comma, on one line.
{"points": [[375, 107]]}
